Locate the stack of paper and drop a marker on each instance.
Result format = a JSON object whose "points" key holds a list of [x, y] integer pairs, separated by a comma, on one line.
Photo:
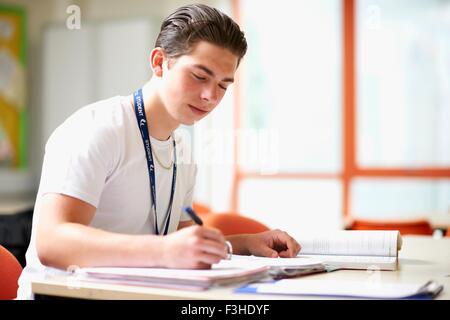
{"points": [[187, 279], [238, 269]]}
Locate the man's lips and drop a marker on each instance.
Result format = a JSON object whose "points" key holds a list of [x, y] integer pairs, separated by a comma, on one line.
{"points": [[197, 110]]}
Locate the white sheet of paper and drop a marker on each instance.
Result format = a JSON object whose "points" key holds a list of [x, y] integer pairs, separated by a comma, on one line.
{"points": [[220, 270], [361, 289], [239, 261]]}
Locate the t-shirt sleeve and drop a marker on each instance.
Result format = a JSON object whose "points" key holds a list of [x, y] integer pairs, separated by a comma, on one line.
{"points": [[78, 160], [188, 199]]}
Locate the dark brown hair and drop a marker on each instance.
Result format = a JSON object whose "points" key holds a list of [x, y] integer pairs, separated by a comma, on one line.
{"points": [[197, 22]]}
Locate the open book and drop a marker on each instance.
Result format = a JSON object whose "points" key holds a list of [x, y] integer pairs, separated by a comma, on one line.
{"points": [[376, 250]]}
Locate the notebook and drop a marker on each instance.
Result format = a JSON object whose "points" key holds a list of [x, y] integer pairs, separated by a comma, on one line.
{"points": [[186, 279], [377, 250], [346, 289]]}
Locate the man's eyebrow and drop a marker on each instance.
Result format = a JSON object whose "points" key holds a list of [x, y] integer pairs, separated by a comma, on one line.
{"points": [[211, 73]]}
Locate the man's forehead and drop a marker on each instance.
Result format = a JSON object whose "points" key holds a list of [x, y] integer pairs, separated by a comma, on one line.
{"points": [[213, 57]]}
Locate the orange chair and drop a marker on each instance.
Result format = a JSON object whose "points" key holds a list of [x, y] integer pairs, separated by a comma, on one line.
{"points": [[201, 209], [422, 227], [448, 232], [10, 270], [233, 223]]}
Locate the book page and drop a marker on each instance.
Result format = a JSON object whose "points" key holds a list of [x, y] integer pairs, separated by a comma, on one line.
{"points": [[353, 243], [358, 262]]}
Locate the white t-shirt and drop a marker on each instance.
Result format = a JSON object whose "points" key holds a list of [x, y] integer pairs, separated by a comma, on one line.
{"points": [[97, 155]]}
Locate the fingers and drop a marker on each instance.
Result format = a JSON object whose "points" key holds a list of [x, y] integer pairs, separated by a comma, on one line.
{"points": [[286, 254], [291, 247], [202, 265], [208, 253], [213, 234], [206, 258], [209, 245], [194, 247], [268, 252], [213, 248]]}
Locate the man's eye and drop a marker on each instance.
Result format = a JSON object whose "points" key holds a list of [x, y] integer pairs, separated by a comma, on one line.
{"points": [[222, 87], [198, 77]]}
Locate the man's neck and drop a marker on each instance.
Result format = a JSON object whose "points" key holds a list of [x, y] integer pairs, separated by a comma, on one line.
{"points": [[160, 124]]}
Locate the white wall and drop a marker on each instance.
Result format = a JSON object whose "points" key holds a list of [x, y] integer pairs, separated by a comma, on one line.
{"points": [[101, 60], [39, 13]]}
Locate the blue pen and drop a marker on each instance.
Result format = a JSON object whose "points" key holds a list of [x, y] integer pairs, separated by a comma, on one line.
{"points": [[193, 215]]}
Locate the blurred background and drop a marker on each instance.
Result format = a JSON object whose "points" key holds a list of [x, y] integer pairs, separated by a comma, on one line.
{"points": [[340, 112]]}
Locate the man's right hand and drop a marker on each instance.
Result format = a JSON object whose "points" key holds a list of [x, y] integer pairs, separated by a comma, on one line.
{"points": [[194, 247]]}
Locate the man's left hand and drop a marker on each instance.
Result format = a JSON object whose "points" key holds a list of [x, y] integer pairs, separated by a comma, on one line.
{"points": [[273, 243]]}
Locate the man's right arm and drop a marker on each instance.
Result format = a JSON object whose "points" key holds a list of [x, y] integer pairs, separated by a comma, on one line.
{"points": [[64, 238]]}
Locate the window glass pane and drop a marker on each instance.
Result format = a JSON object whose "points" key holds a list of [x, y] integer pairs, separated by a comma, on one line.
{"points": [[295, 206], [403, 72], [400, 198], [292, 82]]}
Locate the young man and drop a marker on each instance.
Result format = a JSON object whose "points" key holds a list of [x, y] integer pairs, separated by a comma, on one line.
{"points": [[96, 202]]}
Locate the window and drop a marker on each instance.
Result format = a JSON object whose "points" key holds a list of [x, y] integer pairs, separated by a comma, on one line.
{"points": [[291, 98], [403, 96], [354, 98], [403, 109]]}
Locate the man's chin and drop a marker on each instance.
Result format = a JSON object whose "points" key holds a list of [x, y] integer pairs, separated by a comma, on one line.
{"points": [[189, 122]]}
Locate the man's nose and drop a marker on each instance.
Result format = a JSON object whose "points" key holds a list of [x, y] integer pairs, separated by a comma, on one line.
{"points": [[210, 94]]}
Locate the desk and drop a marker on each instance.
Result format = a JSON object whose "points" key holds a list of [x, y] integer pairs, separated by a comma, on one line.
{"points": [[421, 259]]}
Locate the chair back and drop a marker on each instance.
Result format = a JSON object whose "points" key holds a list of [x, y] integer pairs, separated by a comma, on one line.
{"points": [[233, 223], [419, 227], [10, 270], [201, 209]]}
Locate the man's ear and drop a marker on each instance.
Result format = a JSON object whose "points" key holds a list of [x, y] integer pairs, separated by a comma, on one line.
{"points": [[157, 58]]}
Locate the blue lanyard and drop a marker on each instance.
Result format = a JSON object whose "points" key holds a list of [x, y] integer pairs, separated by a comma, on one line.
{"points": [[142, 123]]}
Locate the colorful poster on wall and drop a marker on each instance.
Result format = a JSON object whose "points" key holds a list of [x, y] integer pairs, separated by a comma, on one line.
{"points": [[12, 87]]}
